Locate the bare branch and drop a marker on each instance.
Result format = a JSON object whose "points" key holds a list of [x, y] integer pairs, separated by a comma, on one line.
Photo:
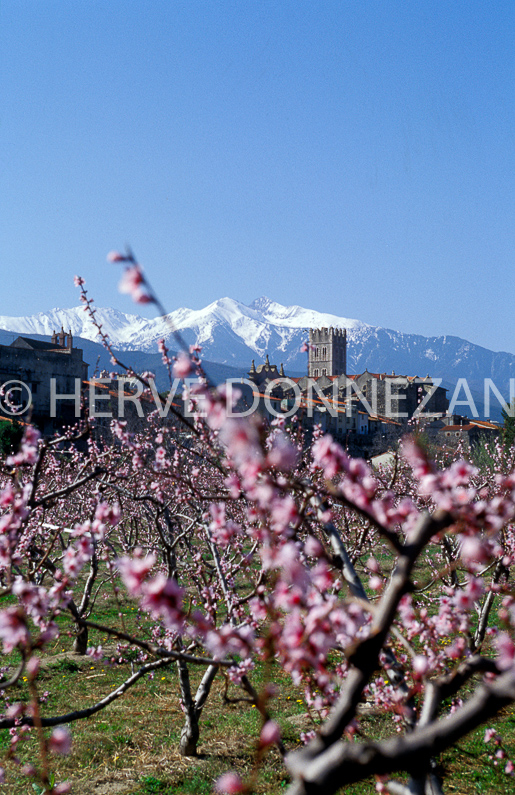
{"points": [[8, 723], [346, 763]]}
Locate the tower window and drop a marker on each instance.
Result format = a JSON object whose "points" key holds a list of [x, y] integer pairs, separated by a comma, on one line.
{"points": [[324, 353]]}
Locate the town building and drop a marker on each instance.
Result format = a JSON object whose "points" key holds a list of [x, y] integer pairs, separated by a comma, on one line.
{"points": [[327, 352], [450, 430], [356, 409], [32, 371], [401, 396], [264, 373]]}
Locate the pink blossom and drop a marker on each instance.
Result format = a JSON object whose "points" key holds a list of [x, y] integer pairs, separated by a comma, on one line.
{"points": [[413, 454], [31, 435], [283, 455], [28, 448], [109, 514], [233, 485], [78, 281], [313, 548], [241, 438], [227, 398], [458, 474], [77, 555], [161, 460], [505, 651], [287, 559], [134, 571], [322, 576], [15, 710], [95, 653], [60, 741], [474, 548], [229, 784], [230, 640], [283, 513], [132, 283], [465, 598], [182, 366], [420, 665], [457, 648], [270, 733], [375, 583], [163, 597], [223, 533], [7, 496], [13, 629], [137, 461], [489, 735], [329, 456], [474, 588], [373, 565], [33, 666], [115, 256], [237, 672]]}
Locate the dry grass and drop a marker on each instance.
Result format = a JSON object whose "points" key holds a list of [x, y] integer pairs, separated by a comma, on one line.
{"points": [[131, 747]]}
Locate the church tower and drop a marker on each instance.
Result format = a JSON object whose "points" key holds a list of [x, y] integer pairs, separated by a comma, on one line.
{"points": [[327, 352]]}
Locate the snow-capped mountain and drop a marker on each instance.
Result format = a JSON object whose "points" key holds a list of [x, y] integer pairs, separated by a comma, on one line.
{"points": [[233, 334], [227, 330]]}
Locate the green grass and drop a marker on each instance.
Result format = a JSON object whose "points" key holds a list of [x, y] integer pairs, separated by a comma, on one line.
{"points": [[133, 743], [135, 740], [151, 785]]}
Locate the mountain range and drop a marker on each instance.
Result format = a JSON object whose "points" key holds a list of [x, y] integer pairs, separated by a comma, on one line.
{"points": [[232, 334]]}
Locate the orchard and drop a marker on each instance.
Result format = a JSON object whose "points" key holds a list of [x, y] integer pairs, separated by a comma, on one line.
{"points": [[253, 561]]}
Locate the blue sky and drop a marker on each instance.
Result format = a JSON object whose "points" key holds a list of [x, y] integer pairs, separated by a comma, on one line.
{"points": [[351, 157]]}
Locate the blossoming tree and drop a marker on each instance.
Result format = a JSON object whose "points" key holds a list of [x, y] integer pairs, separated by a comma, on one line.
{"points": [[242, 543]]}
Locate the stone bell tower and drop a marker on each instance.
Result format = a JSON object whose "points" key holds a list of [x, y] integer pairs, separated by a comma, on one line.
{"points": [[327, 352]]}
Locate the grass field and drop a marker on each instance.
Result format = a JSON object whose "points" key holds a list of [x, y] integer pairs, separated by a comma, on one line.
{"points": [[131, 747]]}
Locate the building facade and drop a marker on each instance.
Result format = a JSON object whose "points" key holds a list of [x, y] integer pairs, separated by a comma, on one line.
{"points": [[356, 409], [401, 396], [327, 352], [27, 370], [264, 373]]}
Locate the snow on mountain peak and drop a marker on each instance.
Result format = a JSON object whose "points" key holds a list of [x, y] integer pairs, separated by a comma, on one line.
{"points": [[261, 304], [232, 333], [255, 327], [298, 317]]}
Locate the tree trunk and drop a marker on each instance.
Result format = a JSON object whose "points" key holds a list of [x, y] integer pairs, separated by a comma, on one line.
{"points": [[189, 735], [193, 707], [190, 731], [80, 644]]}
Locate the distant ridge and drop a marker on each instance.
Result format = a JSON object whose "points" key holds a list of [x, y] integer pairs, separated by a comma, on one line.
{"points": [[232, 333], [99, 359]]}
